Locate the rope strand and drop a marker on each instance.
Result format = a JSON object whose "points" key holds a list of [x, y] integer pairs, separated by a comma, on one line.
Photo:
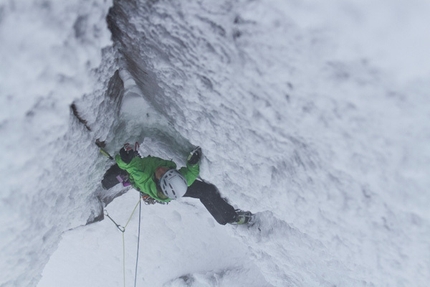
{"points": [[138, 242], [122, 229], [123, 256]]}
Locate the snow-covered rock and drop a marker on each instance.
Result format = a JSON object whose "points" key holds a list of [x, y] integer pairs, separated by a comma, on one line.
{"points": [[314, 115]]}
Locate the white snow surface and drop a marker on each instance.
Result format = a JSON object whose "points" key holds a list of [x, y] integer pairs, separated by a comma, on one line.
{"points": [[315, 115]]}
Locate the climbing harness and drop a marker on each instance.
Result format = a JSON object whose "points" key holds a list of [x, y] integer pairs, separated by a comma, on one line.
{"points": [[122, 229]]}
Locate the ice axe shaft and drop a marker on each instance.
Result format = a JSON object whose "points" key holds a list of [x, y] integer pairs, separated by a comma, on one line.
{"points": [[101, 145]]}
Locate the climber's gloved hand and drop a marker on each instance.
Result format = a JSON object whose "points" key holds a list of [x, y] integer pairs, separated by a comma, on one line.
{"points": [[127, 153], [195, 156]]}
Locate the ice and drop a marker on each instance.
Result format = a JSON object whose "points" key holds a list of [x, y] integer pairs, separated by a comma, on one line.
{"points": [[313, 115]]}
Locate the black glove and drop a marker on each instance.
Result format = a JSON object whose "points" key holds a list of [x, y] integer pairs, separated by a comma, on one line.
{"points": [[195, 156], [127, 153]]}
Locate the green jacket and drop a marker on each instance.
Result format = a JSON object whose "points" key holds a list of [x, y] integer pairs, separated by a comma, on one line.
{"points": [[142, 174]]}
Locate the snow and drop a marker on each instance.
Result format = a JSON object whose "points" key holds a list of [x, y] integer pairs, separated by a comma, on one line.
{"points": [[315, 115]]}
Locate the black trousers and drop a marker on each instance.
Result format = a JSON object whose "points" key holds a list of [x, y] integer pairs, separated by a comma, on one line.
{"points": [[209, 195]]}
